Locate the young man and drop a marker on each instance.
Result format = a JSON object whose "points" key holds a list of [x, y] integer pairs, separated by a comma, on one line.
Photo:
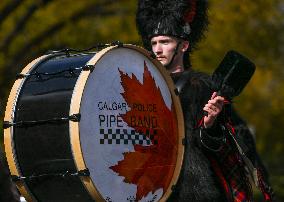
{"points": [[213, 169]]}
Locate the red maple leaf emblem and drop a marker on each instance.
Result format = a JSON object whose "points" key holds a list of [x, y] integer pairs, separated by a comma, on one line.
{"points": [[150, 167]]}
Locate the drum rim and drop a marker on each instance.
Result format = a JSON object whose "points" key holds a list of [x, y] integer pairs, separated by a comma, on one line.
{"points": [[8, 132], [74, 126]]}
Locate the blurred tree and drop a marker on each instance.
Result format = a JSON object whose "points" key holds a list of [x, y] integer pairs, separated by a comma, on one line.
{"points": [[255, 29], [30, 28]]}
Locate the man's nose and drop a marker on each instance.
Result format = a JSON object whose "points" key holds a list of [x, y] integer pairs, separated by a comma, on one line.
{"points": [[158, 49]]}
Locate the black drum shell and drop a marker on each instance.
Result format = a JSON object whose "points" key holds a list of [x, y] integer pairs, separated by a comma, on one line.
{"points": [[43, 149]]}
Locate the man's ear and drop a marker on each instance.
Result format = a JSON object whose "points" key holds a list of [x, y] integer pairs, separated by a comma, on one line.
{"points": [[185, 46]]}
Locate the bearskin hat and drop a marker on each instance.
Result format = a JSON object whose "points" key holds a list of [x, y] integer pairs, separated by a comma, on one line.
{"points": [[186, 19]]}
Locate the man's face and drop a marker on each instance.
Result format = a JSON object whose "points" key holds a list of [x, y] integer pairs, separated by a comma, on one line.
{"points": [[164, 48]]}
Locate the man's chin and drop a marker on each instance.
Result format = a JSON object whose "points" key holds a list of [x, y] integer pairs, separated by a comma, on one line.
{"points": [[164, 63], [167, 65]]}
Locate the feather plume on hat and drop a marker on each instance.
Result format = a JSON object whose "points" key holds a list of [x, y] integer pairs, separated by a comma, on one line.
{"points": [[186, 19]]}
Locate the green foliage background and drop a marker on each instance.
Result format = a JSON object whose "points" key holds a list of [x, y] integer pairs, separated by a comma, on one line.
{"points": [[29, 28]]}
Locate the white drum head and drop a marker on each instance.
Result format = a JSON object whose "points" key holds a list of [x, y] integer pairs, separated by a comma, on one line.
{"points": [[129, 130]]}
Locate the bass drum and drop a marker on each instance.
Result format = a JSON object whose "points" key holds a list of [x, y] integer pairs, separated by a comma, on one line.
{"points": [[103, 126]]}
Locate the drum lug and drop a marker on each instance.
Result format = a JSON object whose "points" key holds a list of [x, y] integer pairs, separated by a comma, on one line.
{"points": [[183, 141], [176, 91], [88, 67], [75, 117], [174, 188], [16, 178], [119, 44], [7, 124], [84, 173], [20, 76]]}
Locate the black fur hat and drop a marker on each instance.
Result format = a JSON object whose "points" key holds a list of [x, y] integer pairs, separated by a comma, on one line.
{"points": [[186, 19]]}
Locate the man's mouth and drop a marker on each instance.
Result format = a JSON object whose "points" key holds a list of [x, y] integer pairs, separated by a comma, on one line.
{"points": [[161, 58]]}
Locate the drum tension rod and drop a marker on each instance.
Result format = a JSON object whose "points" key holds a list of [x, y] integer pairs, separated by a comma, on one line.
{"points": [[80, 173], [39, 75], [98, 46], [73, 117]]}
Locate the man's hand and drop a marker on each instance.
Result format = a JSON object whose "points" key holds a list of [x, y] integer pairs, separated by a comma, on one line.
{"points": [[213, 108]]}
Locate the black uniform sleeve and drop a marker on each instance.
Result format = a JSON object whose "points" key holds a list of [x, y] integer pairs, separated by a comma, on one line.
{"points": [[196, 94]]}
